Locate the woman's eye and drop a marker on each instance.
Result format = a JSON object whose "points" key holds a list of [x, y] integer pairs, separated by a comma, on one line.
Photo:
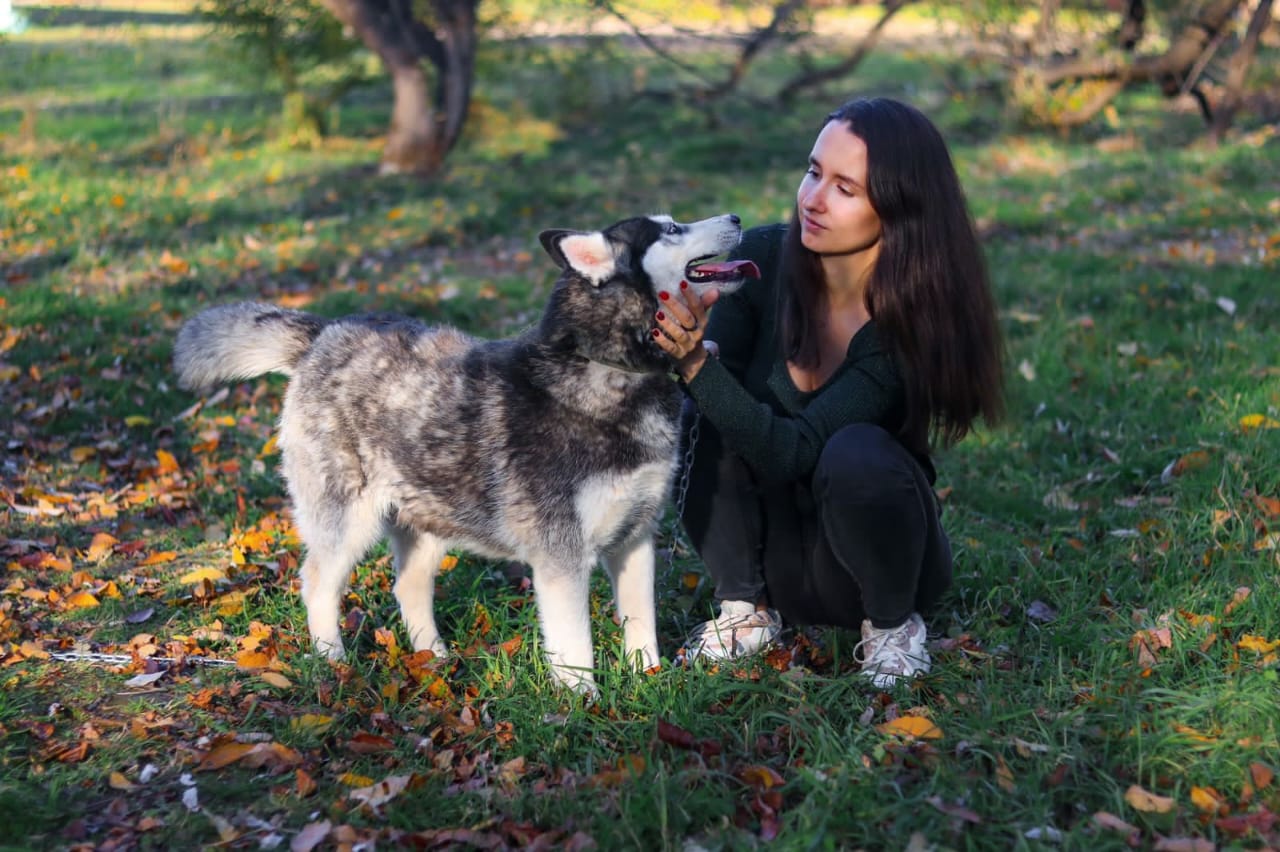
{"points": [[844, 190]]}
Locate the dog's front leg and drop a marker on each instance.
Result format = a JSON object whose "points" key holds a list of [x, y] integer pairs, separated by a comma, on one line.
{"points": [[630, 568], [561, 590]]}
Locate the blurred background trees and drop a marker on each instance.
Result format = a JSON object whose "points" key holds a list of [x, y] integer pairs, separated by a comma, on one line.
{"points": [[1057, 63]]}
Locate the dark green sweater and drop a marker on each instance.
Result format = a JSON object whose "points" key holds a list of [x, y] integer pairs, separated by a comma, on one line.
{"points": [[748, 395]]}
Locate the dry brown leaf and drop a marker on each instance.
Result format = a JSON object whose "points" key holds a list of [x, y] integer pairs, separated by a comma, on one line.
{"points": [[761, 777], [276, 679], [304, 783], [377, 795], [1148, 802], [311, 836], [1114, 823], [1004, 776], [1261, 775]]}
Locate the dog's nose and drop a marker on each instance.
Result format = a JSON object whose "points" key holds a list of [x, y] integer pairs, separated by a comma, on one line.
{"points": [[733, 217]]}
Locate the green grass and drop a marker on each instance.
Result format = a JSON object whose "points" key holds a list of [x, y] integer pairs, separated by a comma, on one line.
{"points": [[141, 185]]}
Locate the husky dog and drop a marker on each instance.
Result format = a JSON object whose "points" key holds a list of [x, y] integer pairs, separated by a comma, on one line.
{"points": [[556, 448]]}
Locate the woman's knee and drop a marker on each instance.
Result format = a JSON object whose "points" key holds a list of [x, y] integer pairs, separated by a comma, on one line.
{"points": [[863, 458]]}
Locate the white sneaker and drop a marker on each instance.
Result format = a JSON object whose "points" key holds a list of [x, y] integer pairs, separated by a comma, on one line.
{"points": [[898, 652], [740, 630]]}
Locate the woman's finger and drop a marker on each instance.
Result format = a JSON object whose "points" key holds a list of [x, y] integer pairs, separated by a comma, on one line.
{"points": [[675, 306]]}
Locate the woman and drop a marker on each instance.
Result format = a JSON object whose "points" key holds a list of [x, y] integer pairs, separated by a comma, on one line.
{"points": [[871, 335]]}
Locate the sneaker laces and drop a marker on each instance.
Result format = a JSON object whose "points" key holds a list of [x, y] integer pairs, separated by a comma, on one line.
{"points": [[891, 653], [729, 635]]}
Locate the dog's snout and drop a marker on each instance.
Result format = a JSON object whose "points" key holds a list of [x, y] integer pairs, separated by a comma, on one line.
{"points": [[733, 217]]}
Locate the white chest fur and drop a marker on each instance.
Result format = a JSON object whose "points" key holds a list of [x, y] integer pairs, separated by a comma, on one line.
{"points": [[605, 503]]}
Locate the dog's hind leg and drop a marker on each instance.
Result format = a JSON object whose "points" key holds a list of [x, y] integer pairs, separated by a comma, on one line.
{"points": [[335, 542], [630, 567], [561, 589], [417, 558]]}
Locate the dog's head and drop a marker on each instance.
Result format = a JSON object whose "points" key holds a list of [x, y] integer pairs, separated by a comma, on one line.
{"points": [[610, 280]]}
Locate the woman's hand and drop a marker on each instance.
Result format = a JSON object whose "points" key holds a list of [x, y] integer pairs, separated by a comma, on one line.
{"points": [[681, 323]]}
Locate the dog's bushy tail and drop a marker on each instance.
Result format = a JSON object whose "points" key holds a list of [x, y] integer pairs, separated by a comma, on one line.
{"points": [[241, 341]]}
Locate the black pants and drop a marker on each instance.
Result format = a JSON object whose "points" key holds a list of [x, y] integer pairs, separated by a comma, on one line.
{"points": [[863, 539]]}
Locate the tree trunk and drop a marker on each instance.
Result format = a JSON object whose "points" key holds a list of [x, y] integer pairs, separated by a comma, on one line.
{"points": [[1233, 94], [413, 143], [426, 120]]}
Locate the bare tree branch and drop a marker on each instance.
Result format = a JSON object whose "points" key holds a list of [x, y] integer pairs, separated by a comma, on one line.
{"points": [[860, 52]]}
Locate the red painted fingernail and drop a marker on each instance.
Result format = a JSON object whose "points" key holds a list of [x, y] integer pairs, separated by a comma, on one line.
{"points": [[664, 295], [660, 315], [655, 332], [684, 285]]}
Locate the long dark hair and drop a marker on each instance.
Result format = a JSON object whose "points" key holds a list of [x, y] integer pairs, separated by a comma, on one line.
{"points": [[928, 293]]}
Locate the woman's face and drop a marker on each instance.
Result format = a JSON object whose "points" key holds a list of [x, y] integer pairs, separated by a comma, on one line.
{"points": [[836, 216]]}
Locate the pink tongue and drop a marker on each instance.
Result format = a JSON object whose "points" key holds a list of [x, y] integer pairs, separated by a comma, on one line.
{"points": [[748, 268]]}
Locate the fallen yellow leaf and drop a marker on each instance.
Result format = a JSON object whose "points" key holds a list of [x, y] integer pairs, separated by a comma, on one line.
{"points": [[311, 723], [276, 679], [1258, 421], [118, 781], [1206, 799], [911, 726], [1257, 644], [1148, 802], [199, 575], [159, 557], [353, 780], [232, 603]]}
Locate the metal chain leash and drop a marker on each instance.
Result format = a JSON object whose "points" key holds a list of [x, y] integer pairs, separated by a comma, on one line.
{"points": [[96, 658], [682, 490]]}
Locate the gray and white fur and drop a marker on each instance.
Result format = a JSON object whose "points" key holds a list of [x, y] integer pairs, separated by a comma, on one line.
{"points": [[555, 448]]}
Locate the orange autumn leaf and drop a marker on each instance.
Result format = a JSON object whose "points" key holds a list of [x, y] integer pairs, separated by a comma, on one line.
{"points": [[1261, 775], [911, 726], [1207, 800], [304, 783], [253, 660], [101, 547], [83, 599], [224, 754], [166, 462], [159, 557]]}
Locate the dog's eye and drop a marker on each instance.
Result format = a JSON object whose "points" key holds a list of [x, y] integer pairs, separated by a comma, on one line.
{"points": [[673, 228]]}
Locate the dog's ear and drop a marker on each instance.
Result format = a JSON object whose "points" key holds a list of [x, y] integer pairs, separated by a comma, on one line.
{"points": [[588, 254]]}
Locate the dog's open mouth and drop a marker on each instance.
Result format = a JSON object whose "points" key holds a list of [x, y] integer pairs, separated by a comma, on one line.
{"points": [[698, 272]]}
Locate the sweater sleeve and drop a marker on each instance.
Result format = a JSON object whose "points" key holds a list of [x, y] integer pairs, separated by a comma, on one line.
{"points": [[735, 318], [781, 447]]}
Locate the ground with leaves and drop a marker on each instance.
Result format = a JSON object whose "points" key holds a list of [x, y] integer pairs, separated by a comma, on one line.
{"points": [[1106, 665]]}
